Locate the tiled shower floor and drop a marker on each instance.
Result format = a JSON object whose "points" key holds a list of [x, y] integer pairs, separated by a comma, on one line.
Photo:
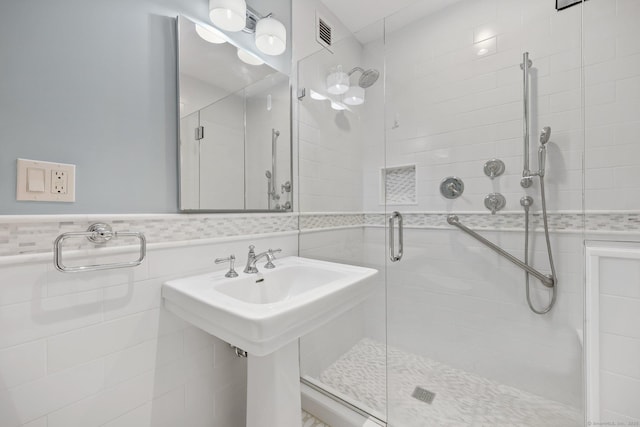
{"points": [[462, 398], [309, 420]]}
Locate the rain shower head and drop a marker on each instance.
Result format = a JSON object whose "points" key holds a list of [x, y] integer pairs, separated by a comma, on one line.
{"points": [[545, 134], [368, 77]]}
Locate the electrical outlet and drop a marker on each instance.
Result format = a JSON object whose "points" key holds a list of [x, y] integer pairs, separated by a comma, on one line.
{"points": [[45, 181], [58, 181]]}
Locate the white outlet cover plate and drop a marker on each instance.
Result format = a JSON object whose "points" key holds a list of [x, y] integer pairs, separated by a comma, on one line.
{"points": [[48, 195]]}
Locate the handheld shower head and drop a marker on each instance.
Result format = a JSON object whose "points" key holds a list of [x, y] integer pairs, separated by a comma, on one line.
{"points": [[545, 134]]}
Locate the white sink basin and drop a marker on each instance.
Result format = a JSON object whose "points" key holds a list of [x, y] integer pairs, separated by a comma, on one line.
{"points": [[263, 312]]}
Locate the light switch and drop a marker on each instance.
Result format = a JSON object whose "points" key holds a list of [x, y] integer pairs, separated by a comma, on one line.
{"points": [[35, 180], [39, 181]]}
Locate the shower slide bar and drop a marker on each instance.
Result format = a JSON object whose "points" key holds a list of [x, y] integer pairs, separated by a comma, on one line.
{"points": [[97, 233], [545, 279]]}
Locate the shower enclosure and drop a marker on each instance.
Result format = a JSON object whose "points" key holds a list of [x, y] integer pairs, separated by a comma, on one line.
{"points": [[447, 336]]}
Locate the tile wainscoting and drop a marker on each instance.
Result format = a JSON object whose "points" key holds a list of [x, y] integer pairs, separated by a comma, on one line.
{"points": [[21, 235]]}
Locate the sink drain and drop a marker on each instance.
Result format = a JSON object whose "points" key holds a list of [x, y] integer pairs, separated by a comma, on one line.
{"points": [[423, 395]]}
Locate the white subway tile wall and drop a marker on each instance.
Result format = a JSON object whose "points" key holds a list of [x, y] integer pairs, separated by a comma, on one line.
{"points": [[615, 297], [612, 103], [98, 349], [448, 108]]}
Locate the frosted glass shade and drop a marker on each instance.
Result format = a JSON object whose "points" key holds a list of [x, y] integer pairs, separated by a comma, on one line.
{"points": [[271, 36], [316, 95], [210, 35], [229, 15], [354, 96], [337, 106], [337, 81], [249, 58]]}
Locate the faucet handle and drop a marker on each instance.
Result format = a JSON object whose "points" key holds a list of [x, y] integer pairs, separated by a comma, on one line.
{"points": [[273, 251], [232, 260], [271, 257], [252, 249]]}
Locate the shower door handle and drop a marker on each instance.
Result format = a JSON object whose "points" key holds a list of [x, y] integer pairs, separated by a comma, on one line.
{"points": [[392, 251]]}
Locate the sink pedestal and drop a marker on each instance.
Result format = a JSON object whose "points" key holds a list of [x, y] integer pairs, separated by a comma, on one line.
{"points": [[273, 388]]}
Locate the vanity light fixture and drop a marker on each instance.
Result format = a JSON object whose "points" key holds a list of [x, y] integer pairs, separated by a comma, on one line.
{"points": [[271, 36], [249, 58], [354, 96], [234, 15], [229, 15], [211, 35]]}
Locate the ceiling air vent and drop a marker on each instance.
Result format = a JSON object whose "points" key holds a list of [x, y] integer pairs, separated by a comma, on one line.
{"points": [[323, 32]]}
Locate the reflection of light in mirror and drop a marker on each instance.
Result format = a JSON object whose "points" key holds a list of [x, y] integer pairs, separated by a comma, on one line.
{"points": [[441, 154], [269, 102], [249, 58], [483, 33], [485, 47], [337, 81], [210, 35], [338, 106], [316, 95], [354, 96]]}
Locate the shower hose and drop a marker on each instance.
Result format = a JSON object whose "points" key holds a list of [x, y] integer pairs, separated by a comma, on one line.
{"points": [[526, 253]]}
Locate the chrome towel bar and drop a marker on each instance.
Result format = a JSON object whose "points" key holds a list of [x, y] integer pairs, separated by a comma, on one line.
{"points": [[546, 280], [97, 233]]}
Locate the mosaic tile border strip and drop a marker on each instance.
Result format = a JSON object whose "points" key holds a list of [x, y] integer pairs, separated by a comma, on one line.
{"points": [[576, 222], [330, 220], [561, 221], [32, 237]]}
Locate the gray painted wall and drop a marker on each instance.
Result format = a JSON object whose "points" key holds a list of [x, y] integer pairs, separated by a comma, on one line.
{"points": [[93, 83]]}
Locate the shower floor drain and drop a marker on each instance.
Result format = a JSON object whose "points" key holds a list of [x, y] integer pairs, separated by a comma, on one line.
{"points": [[423, 395]]}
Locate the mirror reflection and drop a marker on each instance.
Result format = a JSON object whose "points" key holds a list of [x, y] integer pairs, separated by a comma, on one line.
{"points": [[235, 138]]}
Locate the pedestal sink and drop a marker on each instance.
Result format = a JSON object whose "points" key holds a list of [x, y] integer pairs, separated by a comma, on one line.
{"points": [[264, 314]]}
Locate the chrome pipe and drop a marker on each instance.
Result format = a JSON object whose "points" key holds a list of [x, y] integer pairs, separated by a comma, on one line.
{"points": [[274, 160], [526, 169], [548, 281]]}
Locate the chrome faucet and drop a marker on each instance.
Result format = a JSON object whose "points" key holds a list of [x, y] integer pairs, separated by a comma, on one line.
{"points": [[252, 259]]}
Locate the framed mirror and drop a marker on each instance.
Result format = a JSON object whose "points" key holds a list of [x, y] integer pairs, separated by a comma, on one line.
{"points": [[235, 126]]}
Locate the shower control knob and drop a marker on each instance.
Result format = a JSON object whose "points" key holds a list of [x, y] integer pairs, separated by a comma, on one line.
{"points": [[494, 202], [451, 187], [493, 168]]}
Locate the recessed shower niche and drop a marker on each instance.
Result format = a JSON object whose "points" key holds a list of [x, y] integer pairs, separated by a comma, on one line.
{"points": [[398, 185]]}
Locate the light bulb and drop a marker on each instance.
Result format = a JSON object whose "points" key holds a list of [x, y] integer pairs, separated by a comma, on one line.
{"points": [[337, 81], [338, 106], [249, 58], [210, 35], [316, 95], [271, 36], [354, 96]]}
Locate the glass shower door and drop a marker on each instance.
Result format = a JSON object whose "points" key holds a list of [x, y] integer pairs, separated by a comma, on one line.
{"points": [[463, 348], [342, 211]]}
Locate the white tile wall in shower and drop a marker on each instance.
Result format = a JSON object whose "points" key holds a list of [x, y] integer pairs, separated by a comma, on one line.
{"points": [[450, 110], [99, 349], [613, 375], [612, 101]]}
